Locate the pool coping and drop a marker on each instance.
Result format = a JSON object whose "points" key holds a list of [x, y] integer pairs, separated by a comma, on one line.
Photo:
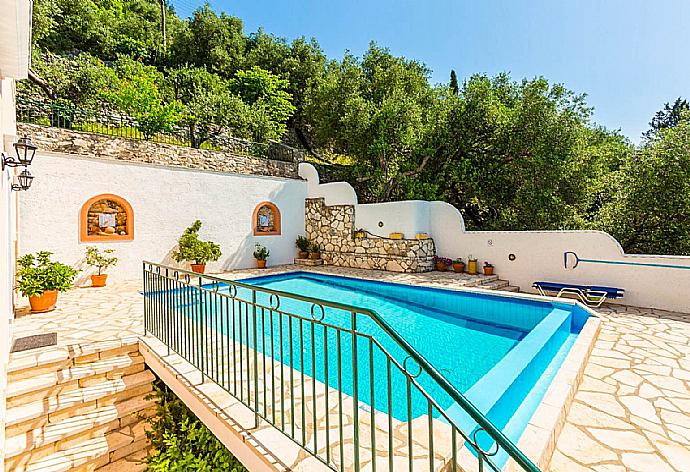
{"points": [[538, 439]]}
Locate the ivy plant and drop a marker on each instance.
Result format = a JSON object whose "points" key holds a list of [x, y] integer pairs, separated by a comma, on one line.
{"points": [[183, 443], [37, 273]]}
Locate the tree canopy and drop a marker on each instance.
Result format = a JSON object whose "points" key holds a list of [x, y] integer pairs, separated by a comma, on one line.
{"points": [[510, 154]]}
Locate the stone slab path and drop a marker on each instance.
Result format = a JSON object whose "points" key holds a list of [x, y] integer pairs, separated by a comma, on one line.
{"points": [[632, 409], [631, 412]]}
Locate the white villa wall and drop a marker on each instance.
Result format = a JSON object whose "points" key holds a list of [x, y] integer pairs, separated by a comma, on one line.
{"points": [[165, 201], [538, 254], [408, 217], [7, 239], [15, 40], [334, 193]]}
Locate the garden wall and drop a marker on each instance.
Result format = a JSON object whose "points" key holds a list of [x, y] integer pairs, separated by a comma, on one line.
{"points": [[164, 202], [109, 147], [332, 227], [536, 255]]}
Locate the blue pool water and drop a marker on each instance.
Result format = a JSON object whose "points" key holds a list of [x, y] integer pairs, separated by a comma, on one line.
{"points": [[500, 352]]}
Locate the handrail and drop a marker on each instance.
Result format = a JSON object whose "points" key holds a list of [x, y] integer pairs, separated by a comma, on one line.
{"points": [[497, 435]]}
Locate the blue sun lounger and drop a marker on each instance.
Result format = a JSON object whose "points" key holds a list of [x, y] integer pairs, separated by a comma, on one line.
{"points": [[590, 295]]}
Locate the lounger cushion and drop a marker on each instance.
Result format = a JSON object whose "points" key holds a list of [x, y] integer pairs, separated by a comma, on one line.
{"points": [[611, 292]]}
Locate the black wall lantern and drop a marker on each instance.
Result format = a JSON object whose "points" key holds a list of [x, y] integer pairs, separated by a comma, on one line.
{"points": [[25, 151], [24, 181]]}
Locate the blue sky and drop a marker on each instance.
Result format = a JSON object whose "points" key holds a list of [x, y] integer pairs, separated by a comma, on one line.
{"points": [[628, 56]]}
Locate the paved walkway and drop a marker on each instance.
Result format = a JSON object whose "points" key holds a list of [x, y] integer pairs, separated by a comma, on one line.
{"points": [[632, 409], [631, 412]]}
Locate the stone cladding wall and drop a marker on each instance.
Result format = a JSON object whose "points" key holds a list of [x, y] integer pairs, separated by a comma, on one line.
{"points": [[110, 147], [332, 227]]}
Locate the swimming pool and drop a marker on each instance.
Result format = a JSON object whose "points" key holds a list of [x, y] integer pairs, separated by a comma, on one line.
{"points": [[501, 352]]}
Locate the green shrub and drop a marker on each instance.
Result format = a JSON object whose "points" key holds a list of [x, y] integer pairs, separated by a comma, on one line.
{"points": [[261, 253], [37, 273], [183, 443], [302, 243], [101, 260], [193, 250]]}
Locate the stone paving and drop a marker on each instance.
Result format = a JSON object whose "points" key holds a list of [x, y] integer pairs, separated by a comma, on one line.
{"points": [[87, 314], [631, 411]]}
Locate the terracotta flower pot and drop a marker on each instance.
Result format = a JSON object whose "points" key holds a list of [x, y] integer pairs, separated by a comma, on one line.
{"points": [[98, 280], [314, 255], [459, 267], [488, 270], [199, 268], [302, 255], [261, 263], [43, 302], [441, 267]]}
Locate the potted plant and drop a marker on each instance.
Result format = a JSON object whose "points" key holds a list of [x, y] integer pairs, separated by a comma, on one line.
{"points": [[41, 279], [302, 244], [191, 249], [488, 269], [442, 263], [101, 260], [458, 265], [360, 234], [314, 251], [261, 253], [471, 265]]}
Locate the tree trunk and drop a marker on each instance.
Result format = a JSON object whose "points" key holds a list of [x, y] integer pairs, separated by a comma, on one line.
{"points": [[35, 78]]}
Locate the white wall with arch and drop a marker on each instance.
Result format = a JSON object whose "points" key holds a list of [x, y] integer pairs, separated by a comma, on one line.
{"points": [[537, 255], [165, 201]]}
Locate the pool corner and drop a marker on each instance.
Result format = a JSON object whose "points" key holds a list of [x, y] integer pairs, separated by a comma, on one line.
{"points": [[538, 440]]}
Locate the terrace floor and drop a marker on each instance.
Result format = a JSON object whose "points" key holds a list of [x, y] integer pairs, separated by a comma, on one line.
{"points": [[631, 411]]}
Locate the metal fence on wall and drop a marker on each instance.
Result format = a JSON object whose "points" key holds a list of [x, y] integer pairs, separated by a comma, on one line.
{"points": [[335, 379], [109, 122]]}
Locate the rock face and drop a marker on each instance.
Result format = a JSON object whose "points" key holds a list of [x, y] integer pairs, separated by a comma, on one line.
{"points": [[332, 227], [110, 147]]}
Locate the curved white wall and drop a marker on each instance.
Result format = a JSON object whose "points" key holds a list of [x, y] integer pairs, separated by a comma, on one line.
{"points": [[538, 254], [165, 201], [409, 217], [334, 193]]}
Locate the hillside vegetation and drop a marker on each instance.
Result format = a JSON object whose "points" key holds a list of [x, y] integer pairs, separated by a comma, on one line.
{"points": [[511, 154]]}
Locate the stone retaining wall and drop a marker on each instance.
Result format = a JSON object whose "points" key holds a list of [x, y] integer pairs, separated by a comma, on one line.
{"points": [[332, 227], [110, 147]]}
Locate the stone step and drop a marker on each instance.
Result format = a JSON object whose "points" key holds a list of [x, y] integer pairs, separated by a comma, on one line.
{"points": [[55, 401], [114, 423], [93, 421], [54, 358], [482, 280], [135, 462], [496, 284], [94, 450], [511, 288], [44, 381], [128, 443]]}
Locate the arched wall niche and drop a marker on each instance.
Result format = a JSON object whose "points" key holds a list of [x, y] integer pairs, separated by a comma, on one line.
{"points": [[106, 217], [266, 219]]}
